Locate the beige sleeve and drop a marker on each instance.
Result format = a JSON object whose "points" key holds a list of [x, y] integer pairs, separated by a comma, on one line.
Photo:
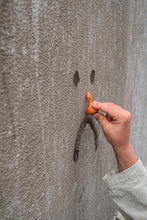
{"points": [[128, 190]]}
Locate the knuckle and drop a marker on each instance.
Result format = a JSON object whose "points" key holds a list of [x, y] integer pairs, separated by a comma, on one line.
{"points": [[127, 116], [111, 104]]}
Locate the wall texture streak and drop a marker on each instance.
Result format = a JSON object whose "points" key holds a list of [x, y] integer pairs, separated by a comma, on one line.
{"points": [[43, 43]]}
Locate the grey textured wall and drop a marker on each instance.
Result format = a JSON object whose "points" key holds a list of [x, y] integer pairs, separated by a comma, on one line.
{"points": [[43, 43]]}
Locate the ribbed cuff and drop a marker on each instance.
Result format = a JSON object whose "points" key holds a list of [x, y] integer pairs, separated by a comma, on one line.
{"points": [[113, 179]]}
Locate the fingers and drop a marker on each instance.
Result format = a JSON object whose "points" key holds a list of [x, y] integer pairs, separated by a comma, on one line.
{"points": [[111, 109], [101, 119], [115, 124]]}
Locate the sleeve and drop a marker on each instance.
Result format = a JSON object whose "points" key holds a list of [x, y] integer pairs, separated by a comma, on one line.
{"points": [[128, 190]]}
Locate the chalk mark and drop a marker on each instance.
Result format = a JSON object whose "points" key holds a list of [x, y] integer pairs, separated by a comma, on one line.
{"points": [[76, 78], [80, 198], [87, 120], [92, 76]]}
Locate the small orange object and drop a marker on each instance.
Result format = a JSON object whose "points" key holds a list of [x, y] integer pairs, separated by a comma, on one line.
{"points": [[90, 110]]}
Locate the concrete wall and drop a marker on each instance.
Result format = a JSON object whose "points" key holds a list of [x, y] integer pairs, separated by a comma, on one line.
{"points": [[43, 43]]}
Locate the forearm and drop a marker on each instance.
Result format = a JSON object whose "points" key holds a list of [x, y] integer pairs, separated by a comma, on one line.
{"points": [[125, 157]]}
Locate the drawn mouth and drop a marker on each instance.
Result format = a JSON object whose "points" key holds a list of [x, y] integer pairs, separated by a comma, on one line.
{"points": [[88, 119]]}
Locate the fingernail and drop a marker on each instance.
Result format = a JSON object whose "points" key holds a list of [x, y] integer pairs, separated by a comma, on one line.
{"points": [[94, 103]]}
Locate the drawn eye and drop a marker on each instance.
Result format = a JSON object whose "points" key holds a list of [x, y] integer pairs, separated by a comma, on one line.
{"points": [[92, 76], [76, 78]]}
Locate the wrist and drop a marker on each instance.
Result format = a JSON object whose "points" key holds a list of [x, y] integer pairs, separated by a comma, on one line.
{"points": [[125, 156], [122, 148]]}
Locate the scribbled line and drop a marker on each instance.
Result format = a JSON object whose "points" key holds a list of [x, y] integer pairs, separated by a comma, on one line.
{"points": [[81, 194], [87, 120]]}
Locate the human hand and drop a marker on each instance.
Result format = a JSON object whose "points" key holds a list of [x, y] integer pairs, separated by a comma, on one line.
{"points": [[116, 128], [115, 125]]}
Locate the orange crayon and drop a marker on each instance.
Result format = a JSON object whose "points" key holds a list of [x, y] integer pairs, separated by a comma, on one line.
{"points": [[90, 110]]}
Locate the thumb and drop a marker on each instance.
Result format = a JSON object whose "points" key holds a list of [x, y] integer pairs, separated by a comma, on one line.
{"points": [[103, 121]]}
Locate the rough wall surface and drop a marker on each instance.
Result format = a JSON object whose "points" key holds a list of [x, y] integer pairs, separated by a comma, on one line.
{"points": [[43, 43]]}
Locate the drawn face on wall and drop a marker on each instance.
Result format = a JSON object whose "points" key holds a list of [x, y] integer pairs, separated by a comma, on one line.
{"points": [[88, 119]]}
